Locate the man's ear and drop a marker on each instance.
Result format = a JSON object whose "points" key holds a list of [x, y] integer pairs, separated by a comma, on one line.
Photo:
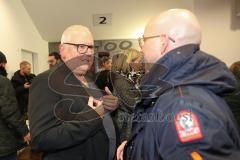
{"points": [[61, 51], [164, 40], [60, 47]]}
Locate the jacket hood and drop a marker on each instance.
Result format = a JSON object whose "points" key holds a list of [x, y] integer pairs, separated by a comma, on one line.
{"points": [[3, 71], [187, 65]]}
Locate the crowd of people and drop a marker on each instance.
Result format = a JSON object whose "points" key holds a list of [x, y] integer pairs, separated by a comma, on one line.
{"points": [[169, 101]]}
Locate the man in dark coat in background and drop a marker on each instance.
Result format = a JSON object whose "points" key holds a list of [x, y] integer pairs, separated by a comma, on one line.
{"points": [[21, 81], [12, 125], [53, 59]]}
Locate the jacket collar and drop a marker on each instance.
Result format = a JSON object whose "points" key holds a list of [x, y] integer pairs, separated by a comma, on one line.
{"points": [[155, 82], [62, 81]]}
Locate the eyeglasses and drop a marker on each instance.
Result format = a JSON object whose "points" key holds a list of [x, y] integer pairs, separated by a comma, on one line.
{"points": [[141, 40], [82, 48]]}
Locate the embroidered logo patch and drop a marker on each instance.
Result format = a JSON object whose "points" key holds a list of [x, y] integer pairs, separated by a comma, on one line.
{"points": [[187, 126]]}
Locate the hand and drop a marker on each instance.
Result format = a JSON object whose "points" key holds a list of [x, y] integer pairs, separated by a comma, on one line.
{"points": [[96, 105], [120, 150], [110, 102], [27, 85], [27, 138]]}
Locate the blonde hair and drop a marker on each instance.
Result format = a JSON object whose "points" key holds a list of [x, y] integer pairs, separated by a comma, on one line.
{"points": [[235, 68], [132, 54], [121, 62]]}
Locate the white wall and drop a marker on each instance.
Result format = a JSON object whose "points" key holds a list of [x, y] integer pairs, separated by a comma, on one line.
{"points": [[216, 20], [18, 32], [130, 16], [219, 38]]}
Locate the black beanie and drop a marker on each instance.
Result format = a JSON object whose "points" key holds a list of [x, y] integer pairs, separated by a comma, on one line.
{"points": [[2, 58]]}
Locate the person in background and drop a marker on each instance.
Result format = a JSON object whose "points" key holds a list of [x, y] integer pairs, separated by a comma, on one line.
{"points": [[53, 59], [13, 130], [233, 98], [125, 76], [102, 77], [21, 81], [68, 114], [105, 63], [3, 62], [181, 115]]}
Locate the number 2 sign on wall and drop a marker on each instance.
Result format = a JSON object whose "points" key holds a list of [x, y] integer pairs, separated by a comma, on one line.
{"points": [[102, 19]]}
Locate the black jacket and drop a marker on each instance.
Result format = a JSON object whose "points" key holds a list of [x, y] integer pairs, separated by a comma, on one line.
{"points": [[233, 100], [103, 80], [22, 93], [12, 124], [181, 116], [62, 125], [128, 95]]}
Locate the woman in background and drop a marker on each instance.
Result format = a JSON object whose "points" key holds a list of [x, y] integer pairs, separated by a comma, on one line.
{"points": [[102, 77], [125, 77]]}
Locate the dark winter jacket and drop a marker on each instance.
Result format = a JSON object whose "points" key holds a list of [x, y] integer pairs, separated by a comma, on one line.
{"points": [[128, 96], [181, 116], [62, 124], [12, 124], [103, 80], [22, 93]]}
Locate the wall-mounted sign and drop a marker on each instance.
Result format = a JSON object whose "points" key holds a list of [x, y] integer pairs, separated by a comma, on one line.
{"points": [[116, 45], [237, 7], [102, 19]]}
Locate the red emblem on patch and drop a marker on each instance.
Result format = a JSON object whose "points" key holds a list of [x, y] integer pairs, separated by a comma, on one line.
{"points": [[187, 126]]}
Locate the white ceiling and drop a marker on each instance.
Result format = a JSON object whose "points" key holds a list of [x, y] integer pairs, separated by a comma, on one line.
{"points": [[51, 17]]}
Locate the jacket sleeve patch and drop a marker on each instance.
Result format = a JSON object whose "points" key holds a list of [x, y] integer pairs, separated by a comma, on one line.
{"points": [[187, 126]]}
